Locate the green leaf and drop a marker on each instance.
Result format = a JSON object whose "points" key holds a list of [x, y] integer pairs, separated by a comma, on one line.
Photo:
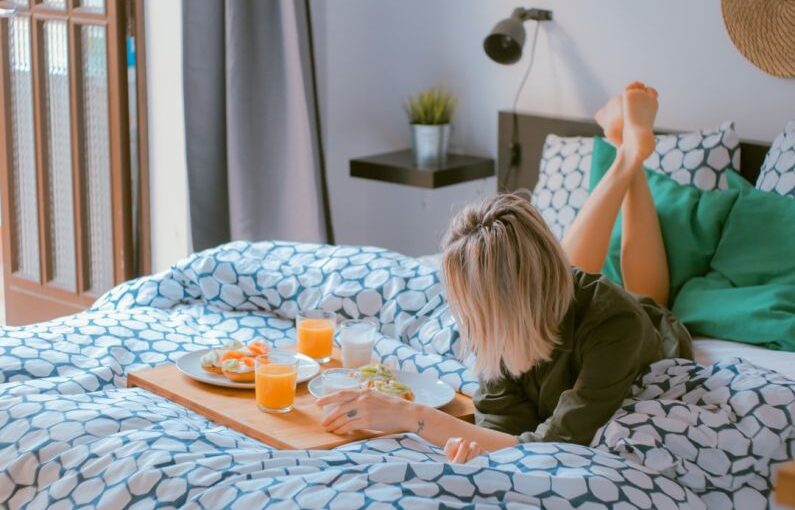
{"points": [[433, 106]]}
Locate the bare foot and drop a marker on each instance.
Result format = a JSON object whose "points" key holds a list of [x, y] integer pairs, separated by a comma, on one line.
{"points": [[611, 118], [640, 109]]}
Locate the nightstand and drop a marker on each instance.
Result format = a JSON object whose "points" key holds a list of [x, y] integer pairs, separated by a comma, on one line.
{"points": [[398, 167]]}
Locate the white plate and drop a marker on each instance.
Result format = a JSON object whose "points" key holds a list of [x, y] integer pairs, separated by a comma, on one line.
{"points": [[428, 390], [191, 365]]}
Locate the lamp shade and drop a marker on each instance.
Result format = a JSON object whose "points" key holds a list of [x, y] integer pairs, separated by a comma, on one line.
{"points": [[504, 43]]}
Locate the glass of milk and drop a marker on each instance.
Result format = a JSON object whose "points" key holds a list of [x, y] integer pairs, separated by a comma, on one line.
{"points": [[356, 338], [338, 379]]}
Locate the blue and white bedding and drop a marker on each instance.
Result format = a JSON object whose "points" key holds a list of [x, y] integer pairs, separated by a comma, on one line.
{"points": [[72, 434]]}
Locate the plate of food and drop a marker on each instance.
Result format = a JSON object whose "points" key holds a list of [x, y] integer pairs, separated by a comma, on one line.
{"points": [[232, 365], [424, 389]]}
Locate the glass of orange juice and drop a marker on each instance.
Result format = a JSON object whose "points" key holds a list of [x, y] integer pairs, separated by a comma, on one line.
{"points": [[275, 376], [315, 334]]}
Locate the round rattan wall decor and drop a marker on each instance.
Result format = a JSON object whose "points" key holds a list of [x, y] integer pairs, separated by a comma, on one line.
{"points": [[764, 32]]}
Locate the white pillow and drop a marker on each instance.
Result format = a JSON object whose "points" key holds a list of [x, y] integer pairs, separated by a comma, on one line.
{"points": [[700, 158], [778, 170]]}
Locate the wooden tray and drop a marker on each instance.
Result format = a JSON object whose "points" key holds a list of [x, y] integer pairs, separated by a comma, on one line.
{"points": [[785, 485], [297, 430]]}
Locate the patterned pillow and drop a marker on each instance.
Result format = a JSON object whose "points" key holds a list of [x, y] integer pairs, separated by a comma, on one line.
{"points": [[563, 180], [778, 170], [699, 158]]}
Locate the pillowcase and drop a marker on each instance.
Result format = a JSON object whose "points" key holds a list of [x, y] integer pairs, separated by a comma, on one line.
{"points": [[778, 170], [757, 245], [691, 221], [562, 180], [700, 158], [749, 294]]}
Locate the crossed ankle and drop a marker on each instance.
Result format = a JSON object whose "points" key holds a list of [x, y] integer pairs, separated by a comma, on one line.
{"points": [[631, 157]]}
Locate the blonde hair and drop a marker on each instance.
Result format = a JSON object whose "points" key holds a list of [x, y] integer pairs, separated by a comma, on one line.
{"points": [[508, 283]]}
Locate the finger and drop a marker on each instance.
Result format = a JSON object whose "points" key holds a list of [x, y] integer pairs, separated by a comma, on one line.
{"points": [[635, 85], [349, 427], [342, 415], [338, 397], [452, 447], [461, 455], [653, 91], [457, 450], [453, 441], [474, 450]]}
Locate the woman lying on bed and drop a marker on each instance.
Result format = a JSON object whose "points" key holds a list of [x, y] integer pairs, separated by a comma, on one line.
{"points": [[556, 348]]}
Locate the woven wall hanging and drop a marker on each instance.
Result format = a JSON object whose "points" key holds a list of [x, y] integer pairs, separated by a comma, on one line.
{"points": [[764, 32]]}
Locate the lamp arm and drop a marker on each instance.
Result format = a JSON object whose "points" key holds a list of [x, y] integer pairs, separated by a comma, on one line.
{"points": [[532, 14], [516, 148]]}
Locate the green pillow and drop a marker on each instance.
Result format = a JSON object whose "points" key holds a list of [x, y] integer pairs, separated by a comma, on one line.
{"points": [[758, 243], [749, 294], [691, 221]]}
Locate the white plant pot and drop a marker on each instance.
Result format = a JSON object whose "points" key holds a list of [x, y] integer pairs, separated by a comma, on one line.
{"points": [[430, 144]]}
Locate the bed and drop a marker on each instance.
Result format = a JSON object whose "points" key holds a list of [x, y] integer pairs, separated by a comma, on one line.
{"points": [[703, 434], [72, 434], [710, 350]]}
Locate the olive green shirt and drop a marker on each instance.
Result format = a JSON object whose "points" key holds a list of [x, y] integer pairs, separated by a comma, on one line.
{"points": [[607, 338]]}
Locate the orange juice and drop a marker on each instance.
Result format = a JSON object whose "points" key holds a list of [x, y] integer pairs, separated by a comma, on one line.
{"points": [[315, 338], [274, 386]]}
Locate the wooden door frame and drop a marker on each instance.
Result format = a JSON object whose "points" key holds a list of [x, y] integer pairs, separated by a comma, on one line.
{"points": [[142, 103], [118, 111], [29, 301]]}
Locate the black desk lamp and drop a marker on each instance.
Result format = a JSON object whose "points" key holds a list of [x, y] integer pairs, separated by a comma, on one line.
{"points": [[504, 46]]}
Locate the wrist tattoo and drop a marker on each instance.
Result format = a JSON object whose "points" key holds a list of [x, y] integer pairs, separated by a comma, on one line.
{"points": [[420, 425]]}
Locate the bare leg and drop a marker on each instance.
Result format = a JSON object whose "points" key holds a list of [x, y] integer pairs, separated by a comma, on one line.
{"points": [[627, 121], [588, 238], [644, 265]]}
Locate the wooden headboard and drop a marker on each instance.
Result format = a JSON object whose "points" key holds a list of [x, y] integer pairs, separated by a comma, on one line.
{"points": [[533, 130]]}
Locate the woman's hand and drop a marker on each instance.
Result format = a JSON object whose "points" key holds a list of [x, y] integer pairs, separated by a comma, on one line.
{"points": [[460, 450], [367, 409]]}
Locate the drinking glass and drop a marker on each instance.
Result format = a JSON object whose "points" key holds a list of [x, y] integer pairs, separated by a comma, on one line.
{"points": [[337, 379], [356, 339], [315, 334], [275, 377]]}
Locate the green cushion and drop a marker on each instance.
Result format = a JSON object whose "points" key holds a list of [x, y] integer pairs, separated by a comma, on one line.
{"points": [[691, 221], [749, 294], [758, 244]]}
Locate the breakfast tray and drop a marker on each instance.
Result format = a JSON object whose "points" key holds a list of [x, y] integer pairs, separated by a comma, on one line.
{"points": [[299, 429]]}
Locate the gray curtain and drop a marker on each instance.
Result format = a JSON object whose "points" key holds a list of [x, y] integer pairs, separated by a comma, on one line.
{"points": [[255, 160]]}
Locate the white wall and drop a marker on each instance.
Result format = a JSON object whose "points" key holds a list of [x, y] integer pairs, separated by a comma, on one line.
{"points": [[373, 54], [167, 167]]}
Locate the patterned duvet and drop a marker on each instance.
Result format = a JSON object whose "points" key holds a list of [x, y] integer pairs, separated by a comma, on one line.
{"points": [[72, 435]]}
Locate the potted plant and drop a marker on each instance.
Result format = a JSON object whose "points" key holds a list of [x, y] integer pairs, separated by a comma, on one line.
{"points": [[430, 113]]}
